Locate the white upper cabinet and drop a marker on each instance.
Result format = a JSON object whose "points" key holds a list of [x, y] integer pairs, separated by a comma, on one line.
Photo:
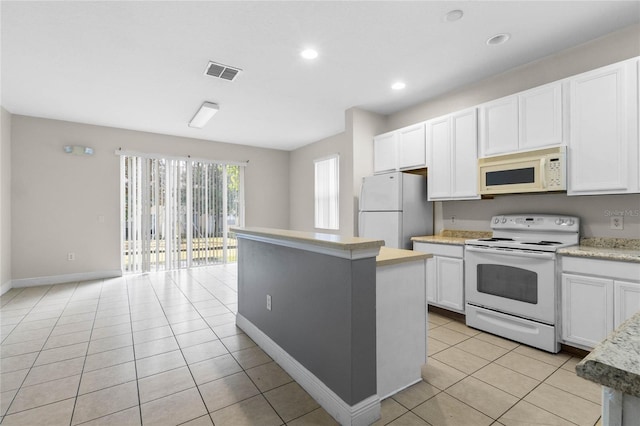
{"points": [[440, 147], [412, 147], [499, 126], [385, 152], [452, 153], [603, 147], [528, 120], [401, 149], [540, 113]]}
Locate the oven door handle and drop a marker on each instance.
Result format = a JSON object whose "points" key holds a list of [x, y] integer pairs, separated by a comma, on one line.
{"points": [[508, 252]]}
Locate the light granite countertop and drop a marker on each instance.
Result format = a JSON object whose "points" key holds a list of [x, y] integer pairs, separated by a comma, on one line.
{"points": [[620, 249], [615, 362], [452, 236], [393, 256]]}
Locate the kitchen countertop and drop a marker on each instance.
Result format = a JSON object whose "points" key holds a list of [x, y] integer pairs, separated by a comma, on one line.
{"points": [[452, 236], [314, 238], [393, 256], [620, 249], [615, 362]]}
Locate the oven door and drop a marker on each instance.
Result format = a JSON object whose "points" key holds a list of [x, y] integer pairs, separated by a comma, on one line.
{"points": [[517, 282]]}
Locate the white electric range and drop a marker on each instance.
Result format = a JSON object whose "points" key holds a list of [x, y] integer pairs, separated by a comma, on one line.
{"points": [[511, 279]]}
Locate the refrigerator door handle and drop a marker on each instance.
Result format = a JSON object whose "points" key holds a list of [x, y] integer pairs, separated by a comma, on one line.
{"points": [[360, 223]]}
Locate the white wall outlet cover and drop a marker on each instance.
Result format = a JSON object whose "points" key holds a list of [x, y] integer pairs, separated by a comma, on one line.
{"points": [[617, 222], [268, 302]]}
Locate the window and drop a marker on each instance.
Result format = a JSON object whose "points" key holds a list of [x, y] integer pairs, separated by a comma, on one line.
{"points": [[176, 212], [327, 192]]}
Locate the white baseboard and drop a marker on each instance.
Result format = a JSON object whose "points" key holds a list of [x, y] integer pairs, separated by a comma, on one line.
{"points": [[363, 413], [6, 287], [66, 278]]}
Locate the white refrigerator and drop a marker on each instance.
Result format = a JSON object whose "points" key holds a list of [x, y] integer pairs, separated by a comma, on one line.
{"points": [[394, 208]]}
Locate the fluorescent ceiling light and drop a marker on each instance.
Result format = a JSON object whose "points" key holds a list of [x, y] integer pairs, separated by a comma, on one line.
{"points": [[204, 114], [399, 85], [309, 54]]}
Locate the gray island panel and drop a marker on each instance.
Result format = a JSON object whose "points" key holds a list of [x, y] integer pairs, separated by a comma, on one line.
{"points": [[323, 311]]}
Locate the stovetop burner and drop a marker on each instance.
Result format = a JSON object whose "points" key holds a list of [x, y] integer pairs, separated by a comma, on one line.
{"points": [[495, 239], [543, 243]]}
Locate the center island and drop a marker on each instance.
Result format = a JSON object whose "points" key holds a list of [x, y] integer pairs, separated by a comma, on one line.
{"points": [[344, 316]]}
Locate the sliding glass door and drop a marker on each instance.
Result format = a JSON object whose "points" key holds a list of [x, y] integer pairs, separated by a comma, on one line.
{"points": [[176, 213]]}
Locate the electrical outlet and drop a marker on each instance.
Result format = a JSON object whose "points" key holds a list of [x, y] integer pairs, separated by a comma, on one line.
{"points": [[71, 256], [617, 222], [268, 302], [453, 219]]}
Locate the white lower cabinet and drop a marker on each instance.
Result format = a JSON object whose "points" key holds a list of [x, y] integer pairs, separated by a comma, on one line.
{"points": [[587, 309], [626, 300], [445, 275], [597, 296]]}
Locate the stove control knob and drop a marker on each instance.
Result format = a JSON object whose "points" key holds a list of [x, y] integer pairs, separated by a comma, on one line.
{"points": [[496, 220], [504, 220], [559, 221], [570, 222]]}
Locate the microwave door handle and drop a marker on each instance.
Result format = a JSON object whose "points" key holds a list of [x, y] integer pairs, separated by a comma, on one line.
{"points": [[543, 170]]}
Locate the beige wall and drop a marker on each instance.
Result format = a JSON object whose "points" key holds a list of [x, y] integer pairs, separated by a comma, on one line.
{"points": [[356, 161], [363, 126], [57, 198], [5, 200], [474, 215], [301, 183], [594, 211]]}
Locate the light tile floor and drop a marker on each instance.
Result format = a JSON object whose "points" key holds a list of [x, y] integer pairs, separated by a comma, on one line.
{"points": [[163, 349]]}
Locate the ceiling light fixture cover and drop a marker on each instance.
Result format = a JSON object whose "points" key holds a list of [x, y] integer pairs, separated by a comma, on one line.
{"points": [[498, 39], [399, 85], [453, 15], [204, 114], [309, 54]]}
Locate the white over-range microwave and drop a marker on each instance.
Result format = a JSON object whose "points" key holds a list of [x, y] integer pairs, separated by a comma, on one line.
{"points": [[544, 170]]}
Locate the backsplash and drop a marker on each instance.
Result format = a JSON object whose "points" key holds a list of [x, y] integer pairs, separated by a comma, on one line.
{"points": [[594, 211]]}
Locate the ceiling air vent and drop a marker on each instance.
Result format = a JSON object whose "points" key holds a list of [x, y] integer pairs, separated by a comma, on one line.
{"points": [[224, 72]]}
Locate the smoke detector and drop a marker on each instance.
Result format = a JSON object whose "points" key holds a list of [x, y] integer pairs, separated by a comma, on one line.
{"points": [[224, 72]]}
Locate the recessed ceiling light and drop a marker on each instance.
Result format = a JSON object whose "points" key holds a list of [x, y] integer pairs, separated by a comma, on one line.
{"points": [[453, 15], [309, 54], [398, 85], [498, 39]]}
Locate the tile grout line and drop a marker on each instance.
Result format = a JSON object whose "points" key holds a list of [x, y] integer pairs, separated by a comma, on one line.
{"points": [[39, 352]]}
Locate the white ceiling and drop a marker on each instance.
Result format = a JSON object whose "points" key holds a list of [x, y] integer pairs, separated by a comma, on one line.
{"points": [[139, 65]]}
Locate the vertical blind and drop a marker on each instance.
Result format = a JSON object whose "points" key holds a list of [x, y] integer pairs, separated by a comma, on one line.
{"points": [[327, 192], [176, 213]]}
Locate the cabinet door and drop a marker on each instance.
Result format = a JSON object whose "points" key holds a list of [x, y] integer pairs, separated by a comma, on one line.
{"points": [[439, 142], [431, 280], [450, 282], [385, 152], [464, 167], [499, 126], [599, 142], [541, 117], [412, 147], [587, 309], [626, 300]]}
